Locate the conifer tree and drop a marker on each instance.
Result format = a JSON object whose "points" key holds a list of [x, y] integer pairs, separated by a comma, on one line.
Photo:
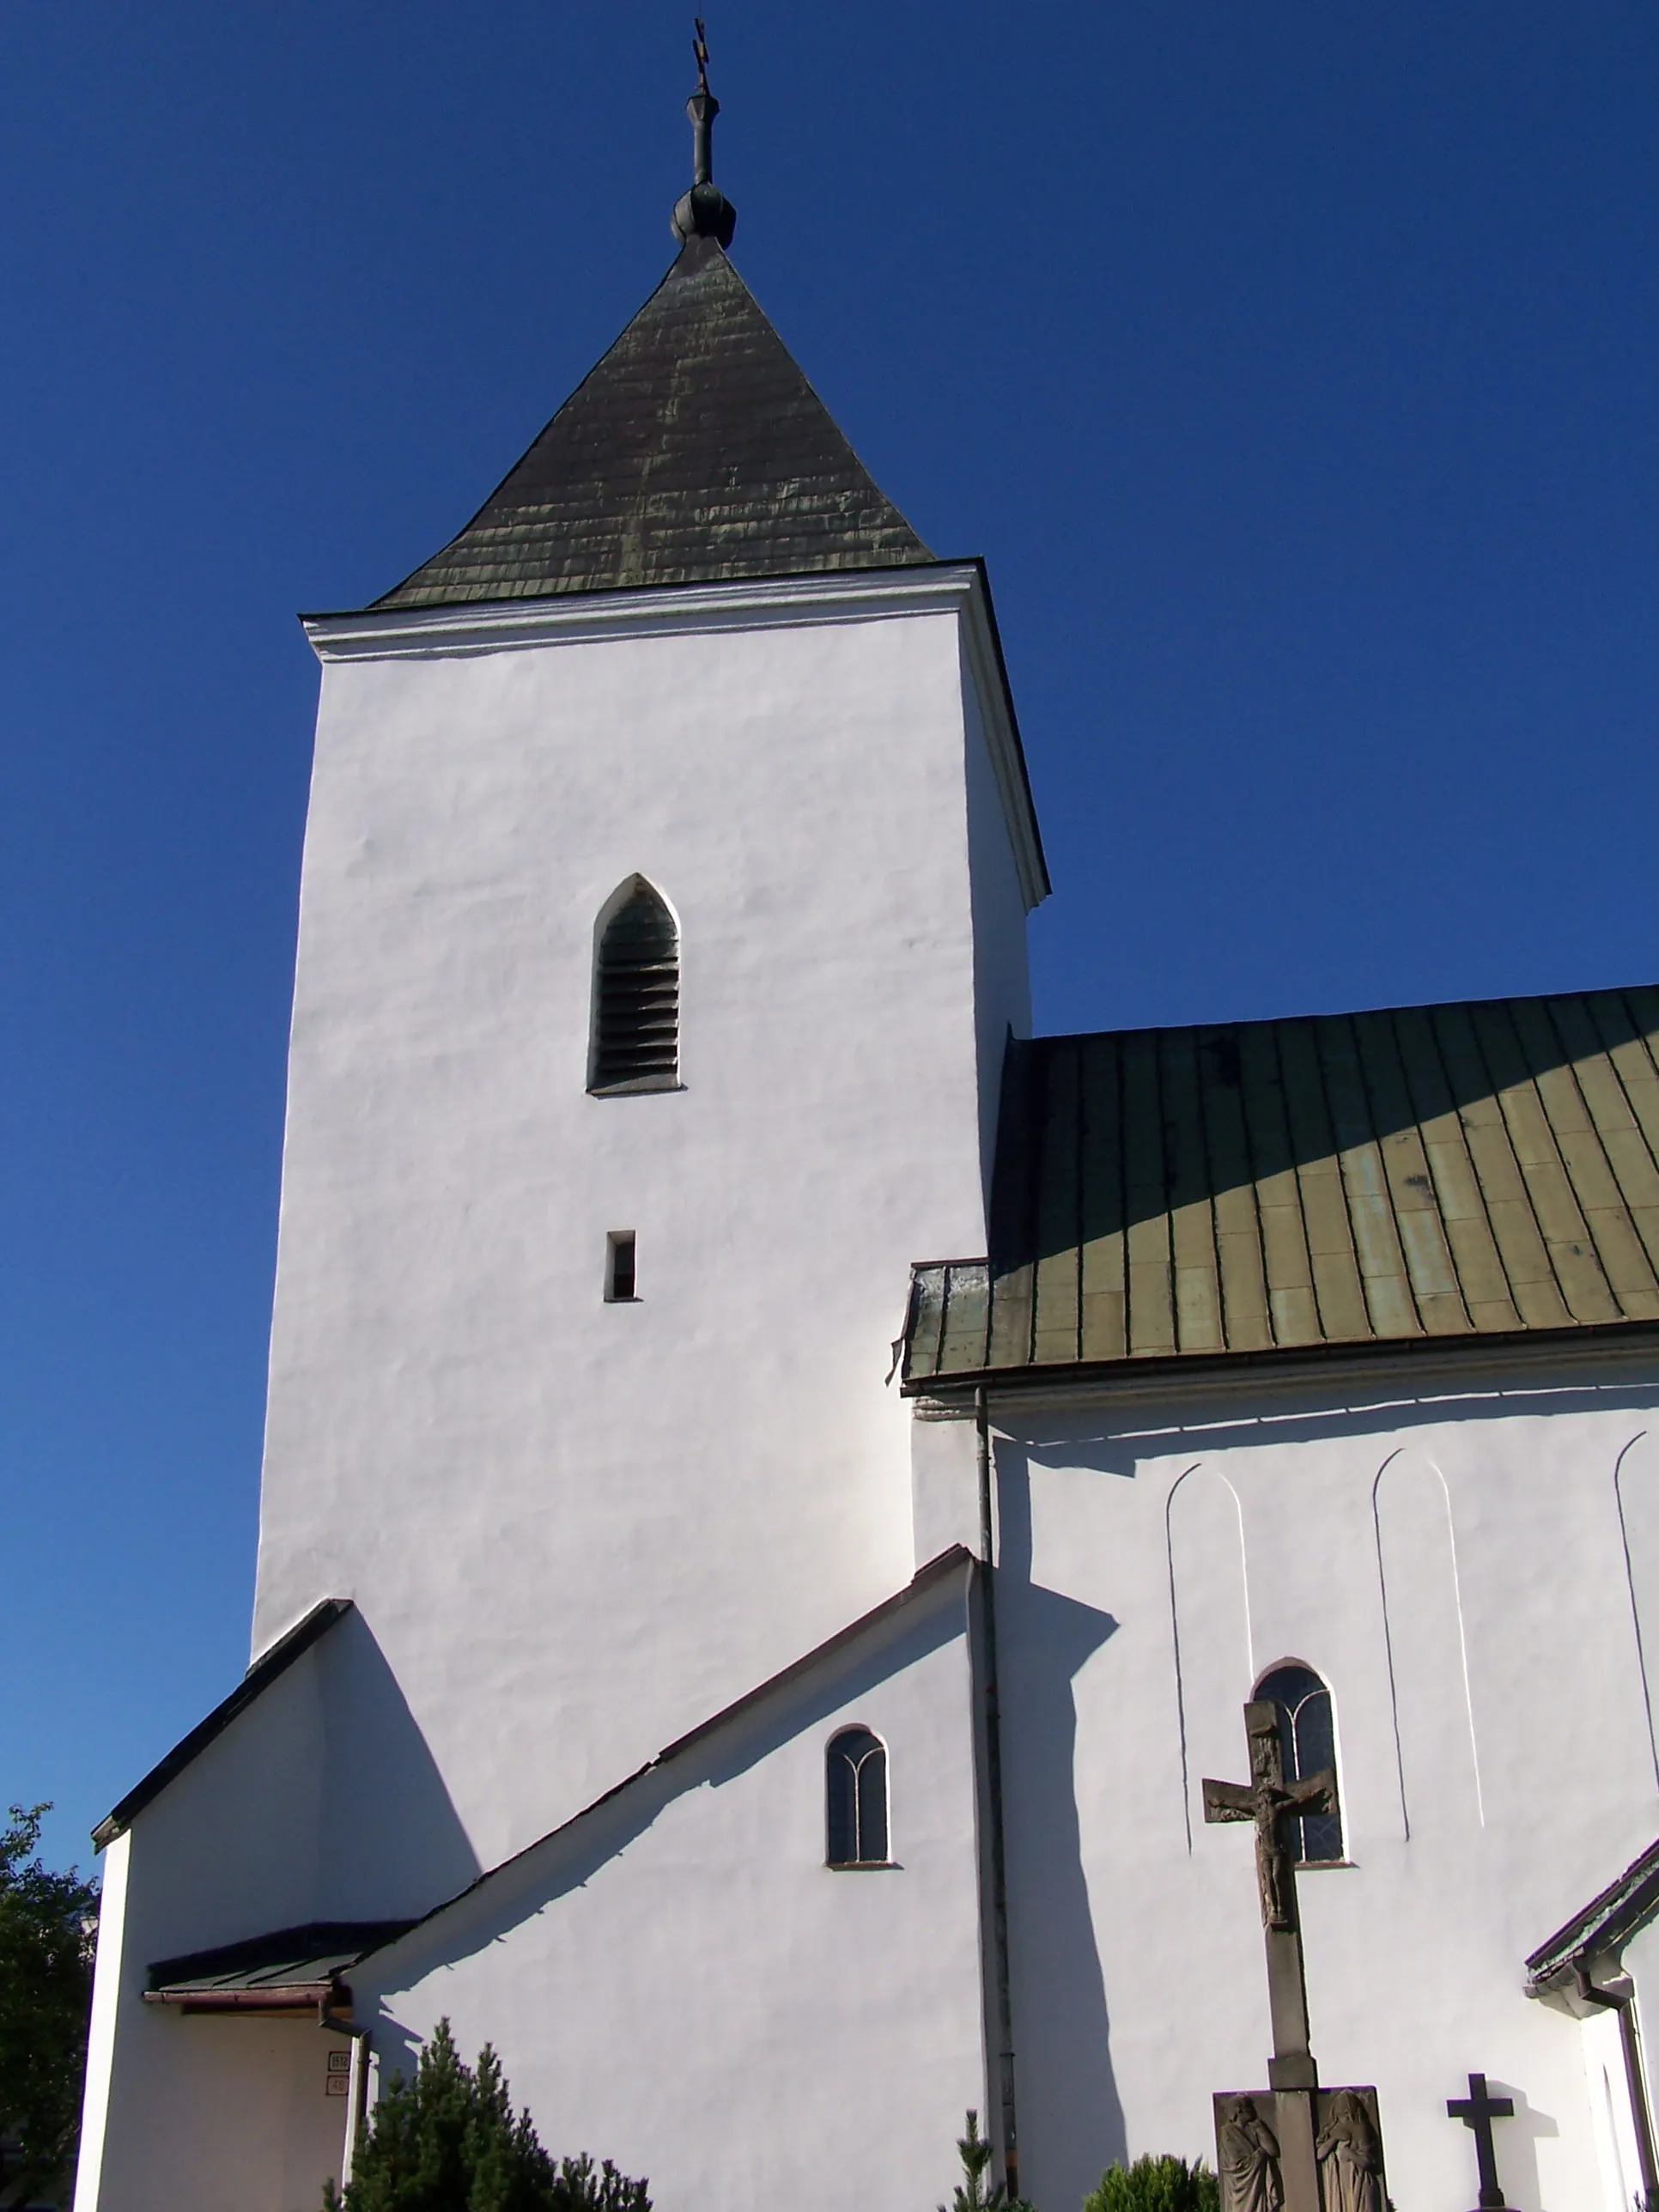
{"points": [[447, 2140], [1156, 2185], [971, 2195]]}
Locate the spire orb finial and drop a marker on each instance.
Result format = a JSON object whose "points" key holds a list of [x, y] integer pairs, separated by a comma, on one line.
{"points": [[704, 211]]}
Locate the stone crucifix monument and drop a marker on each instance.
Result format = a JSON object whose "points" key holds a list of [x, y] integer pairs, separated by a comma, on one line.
{"points": [[1288, 2148]]}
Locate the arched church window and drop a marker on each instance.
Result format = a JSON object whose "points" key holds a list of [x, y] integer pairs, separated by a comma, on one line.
{"points": [[856, 1799], [1307, 1732], [636, 995]]}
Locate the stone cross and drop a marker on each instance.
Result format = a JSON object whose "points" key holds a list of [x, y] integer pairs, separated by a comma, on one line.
{"points": [[1478, 2111], [1269, 1802]]}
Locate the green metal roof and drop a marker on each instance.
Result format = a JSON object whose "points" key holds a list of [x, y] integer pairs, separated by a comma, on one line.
{"points": [[1419, 1172]]}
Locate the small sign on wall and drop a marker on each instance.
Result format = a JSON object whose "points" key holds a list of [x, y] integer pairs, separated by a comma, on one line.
{"points": [[339, 2074]]}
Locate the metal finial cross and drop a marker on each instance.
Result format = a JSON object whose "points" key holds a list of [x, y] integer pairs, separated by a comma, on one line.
{"points": [[704, 211], [1478, 2111]]}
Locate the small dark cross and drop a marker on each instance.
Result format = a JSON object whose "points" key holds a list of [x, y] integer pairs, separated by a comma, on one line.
{"points": [[700, 52], [1478, 2111], [1269, 1800]]}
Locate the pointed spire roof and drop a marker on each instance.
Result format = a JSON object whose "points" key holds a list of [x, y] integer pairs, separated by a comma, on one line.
{"points": [[696, 453]]}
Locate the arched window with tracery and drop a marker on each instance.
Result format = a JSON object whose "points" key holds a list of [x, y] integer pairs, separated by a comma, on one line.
{"points": [[1307, 1732], [855, 1799], [636, 994]]}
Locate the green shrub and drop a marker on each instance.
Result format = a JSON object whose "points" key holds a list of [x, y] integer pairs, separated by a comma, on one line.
{"points": [[447, 2141], [1156, 2185]]}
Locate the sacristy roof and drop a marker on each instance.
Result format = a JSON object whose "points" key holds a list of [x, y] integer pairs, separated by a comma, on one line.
{"points": [[1609, 1920], [697, 451], [288, 1968], [1412, 1174]]}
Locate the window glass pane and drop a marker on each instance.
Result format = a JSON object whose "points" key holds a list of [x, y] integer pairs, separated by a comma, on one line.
{"points": [[872, 1806], [1315, 1749], [841, 1844], [1307, 1737], [855, 1808]]}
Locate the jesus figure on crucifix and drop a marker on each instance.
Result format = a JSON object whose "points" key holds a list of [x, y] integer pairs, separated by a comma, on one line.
{"points": [[1270, 1801]]}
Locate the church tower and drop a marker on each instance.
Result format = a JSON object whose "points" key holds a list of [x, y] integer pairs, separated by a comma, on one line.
{"points": [[661, 928], [661, 925]]}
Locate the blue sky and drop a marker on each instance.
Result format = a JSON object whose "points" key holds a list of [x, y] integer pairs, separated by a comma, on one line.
{"points": [[1293, 369]]}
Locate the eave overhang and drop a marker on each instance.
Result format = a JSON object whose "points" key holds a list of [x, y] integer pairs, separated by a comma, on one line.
{"points": [[1443, 1358], [284, 1971], [1565, 1966]]}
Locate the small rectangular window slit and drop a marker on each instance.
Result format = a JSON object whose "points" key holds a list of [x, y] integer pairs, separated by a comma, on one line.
{"points": [[619, 1268]]}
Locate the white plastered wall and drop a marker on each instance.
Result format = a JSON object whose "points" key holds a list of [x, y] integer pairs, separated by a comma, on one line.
{"points": [[1138, 1980], [680, 1983], [596, 1523], [1607, 2087]]}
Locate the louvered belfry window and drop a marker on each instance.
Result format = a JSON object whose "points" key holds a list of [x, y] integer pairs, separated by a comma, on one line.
{"points": [[636, 1000]]}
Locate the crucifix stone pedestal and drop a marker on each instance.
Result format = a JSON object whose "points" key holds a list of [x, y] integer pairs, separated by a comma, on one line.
{"points": [[1350, 2142]]}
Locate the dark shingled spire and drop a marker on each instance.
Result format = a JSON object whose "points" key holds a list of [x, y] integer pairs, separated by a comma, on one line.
{"points": [[696, 453]]}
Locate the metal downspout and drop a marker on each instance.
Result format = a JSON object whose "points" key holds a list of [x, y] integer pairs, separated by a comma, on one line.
{"points": [[1629, 2037], [1005, 2018]]}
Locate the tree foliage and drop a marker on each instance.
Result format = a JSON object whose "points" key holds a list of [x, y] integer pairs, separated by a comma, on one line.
{"points": [[48, 1924], [1156, 2185], [971, 2195], [447, 2140]]}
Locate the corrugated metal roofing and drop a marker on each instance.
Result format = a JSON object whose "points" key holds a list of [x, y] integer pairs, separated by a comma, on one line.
{"points": [[694, 453], [1422, 1171]]}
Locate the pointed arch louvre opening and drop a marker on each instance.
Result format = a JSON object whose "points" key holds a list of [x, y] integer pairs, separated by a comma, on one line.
{"points": [[636, 996]]}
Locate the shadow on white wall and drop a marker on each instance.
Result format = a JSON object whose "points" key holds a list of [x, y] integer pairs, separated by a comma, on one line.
{"points": [[1071, 2117]]}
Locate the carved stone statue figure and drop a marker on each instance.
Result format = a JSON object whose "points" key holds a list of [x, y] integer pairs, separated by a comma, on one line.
{"points": [[1247, 2155], [1350, 2156]]}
